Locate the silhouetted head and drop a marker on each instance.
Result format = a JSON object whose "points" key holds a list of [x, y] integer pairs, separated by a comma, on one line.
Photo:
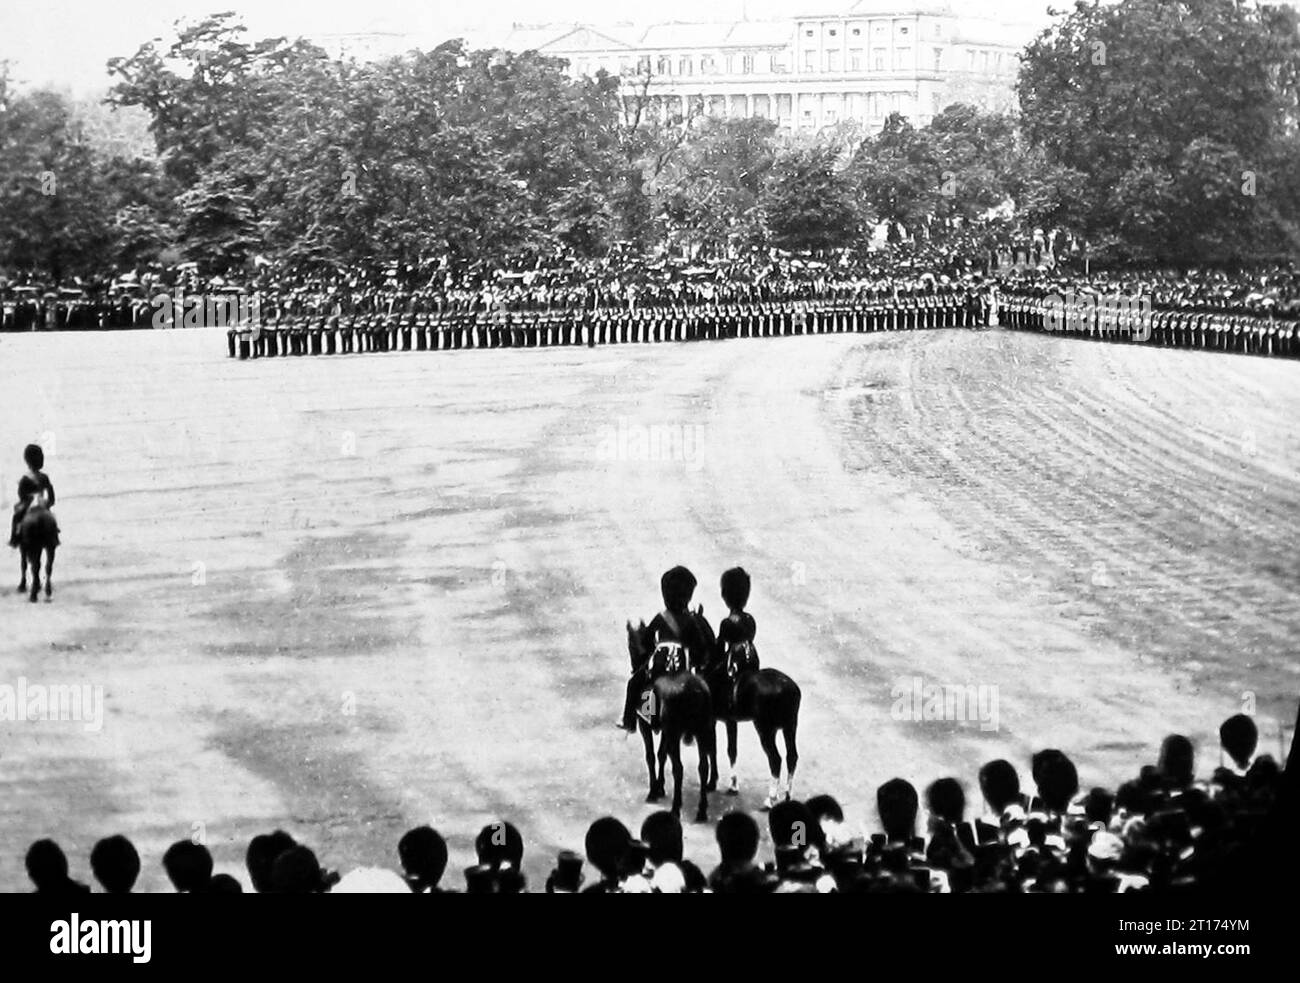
{"points": [[1264, 773], [188, 865], [34, 456], [791, 824], [1057, 779], [897, 804], [1098, 806], [47, 865], [737, 836], [999, 784], [677, 587], [499, 843], [567, 877], [735, 589], [423, 853], [1177, 762], [826, 813], [946, 800], [825, 807], [662, 832], [1240, 738], [224, 884], [297, 871], [1134, 798], [606, 843], [115, 864], [262, 853]]}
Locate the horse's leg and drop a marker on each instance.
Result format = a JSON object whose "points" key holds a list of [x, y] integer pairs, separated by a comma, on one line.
{"points": [[49, 573], [708, 753], [675, 753], [655, 793], [34, 561], [22, 569], [733, 787], [791, 754], [767, 737], [712, 784], [662, 785]]}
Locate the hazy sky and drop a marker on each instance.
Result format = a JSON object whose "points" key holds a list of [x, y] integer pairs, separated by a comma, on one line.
{"points": [[66, 42]]}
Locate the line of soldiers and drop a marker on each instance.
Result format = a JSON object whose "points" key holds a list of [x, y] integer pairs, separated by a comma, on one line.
{"points": [[831, 313], [1135, 320], [27, 312]]}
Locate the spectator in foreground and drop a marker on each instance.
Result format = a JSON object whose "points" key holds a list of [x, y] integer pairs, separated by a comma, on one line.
{"points": [[1239, 738], [261, 856], [1177, 763], [1057, 781], [500, 849], [606, 845], [662, 832], [224, 884], [897, 805], [297, 871], [1000, 786], [189, 867], [737, 836], [47, 866], [567, 877], [423, 853], [115, 864]]}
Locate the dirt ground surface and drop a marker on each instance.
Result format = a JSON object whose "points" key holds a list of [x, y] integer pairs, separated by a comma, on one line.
{"points": [[350, 595]]}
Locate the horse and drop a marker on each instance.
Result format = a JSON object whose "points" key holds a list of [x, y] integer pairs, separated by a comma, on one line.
{"points": [[679, 707], [37, 532], [742, 691]]}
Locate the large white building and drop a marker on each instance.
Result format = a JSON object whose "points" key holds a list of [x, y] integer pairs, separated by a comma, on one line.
{"points": [[808, 72]]}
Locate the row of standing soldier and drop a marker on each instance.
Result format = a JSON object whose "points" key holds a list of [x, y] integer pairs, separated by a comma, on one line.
{"points": [[1134, 319], [481, 326]]}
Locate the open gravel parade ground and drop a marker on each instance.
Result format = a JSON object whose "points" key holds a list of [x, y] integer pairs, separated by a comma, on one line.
{"points": [[841, 447], [350, 595]]}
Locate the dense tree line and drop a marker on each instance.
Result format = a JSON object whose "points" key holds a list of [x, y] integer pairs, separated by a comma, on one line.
{"points": [[1155, 130]]}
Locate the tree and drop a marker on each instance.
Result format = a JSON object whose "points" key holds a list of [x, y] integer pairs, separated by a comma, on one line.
{"points": [[1174, 120], [56, 215], [808, 204], [709, 194], [897, 175]]}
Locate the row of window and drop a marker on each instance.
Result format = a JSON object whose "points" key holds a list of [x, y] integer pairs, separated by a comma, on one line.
{"points": [[856, 60], [829, 108], [878, 59], [878, 29]]}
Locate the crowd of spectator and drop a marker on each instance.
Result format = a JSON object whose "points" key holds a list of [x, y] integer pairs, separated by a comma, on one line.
{"points": [[1162, 831], [626, 281]]}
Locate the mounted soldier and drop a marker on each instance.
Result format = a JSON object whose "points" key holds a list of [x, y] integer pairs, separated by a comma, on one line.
{"points": [[682, 640]]}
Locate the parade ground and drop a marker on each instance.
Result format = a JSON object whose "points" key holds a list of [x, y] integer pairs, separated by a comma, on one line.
{"points": [[347, 596]]}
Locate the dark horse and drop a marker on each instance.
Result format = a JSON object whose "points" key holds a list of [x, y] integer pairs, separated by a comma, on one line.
{"points": [[742, 691], [37, 533], [680, 708]]}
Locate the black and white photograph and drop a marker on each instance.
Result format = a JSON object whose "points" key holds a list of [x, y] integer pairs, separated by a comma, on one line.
{"points": [[576, 447]]}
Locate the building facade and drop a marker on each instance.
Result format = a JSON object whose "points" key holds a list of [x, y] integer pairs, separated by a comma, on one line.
{"points": [[807, 73]]}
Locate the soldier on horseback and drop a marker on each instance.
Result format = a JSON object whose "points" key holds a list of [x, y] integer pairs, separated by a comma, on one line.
{"points": [[35, 483], [735, 648], [682, 635]]}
